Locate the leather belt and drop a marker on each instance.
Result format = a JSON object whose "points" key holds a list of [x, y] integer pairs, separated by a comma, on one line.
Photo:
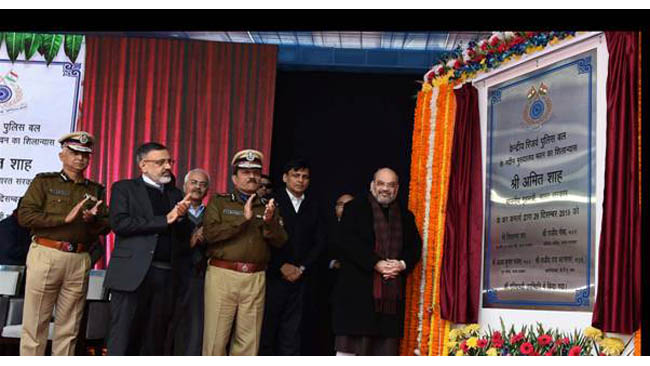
{"points": [[238, 266], [63, 246]]}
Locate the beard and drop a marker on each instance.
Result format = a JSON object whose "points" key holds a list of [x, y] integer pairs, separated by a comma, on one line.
{"points": [[384, 198], [165, 179]]}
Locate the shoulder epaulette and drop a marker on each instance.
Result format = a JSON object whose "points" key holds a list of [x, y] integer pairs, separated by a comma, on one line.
{"points": [[47, 174], [95, 184]]}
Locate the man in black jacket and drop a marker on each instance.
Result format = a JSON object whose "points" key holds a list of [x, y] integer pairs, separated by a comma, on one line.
{"points": [[292, 264], [379, 246], [146, 215]]}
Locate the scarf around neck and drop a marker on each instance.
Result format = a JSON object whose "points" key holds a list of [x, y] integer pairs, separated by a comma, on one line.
{"points": [[388, 245]]}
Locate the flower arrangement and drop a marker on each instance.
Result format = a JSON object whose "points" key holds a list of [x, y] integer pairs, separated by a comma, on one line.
{"points": [[532, 341], [490, 53]]}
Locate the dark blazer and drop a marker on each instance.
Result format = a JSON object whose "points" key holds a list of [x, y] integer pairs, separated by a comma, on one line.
{"points": [[353, 305], [306, 231], [136, 233]]}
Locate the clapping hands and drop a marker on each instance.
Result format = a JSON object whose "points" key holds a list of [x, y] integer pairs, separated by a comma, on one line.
{"points": [[87, 215]]}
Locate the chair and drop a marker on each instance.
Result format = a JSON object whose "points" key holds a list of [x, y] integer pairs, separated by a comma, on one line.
{"points": [[95, 321], [97, 317]]}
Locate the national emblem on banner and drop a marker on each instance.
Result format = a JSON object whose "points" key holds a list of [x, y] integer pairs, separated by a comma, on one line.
{"points": [[538, 106], [11, 94]]}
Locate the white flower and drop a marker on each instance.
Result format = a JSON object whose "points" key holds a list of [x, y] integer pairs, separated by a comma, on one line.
{"points": [[451, 63], [509, 35], [438, 69], [498, 35]]}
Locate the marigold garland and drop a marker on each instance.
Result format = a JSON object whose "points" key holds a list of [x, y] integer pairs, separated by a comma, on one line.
{"points": [[443, 153], [423, 309], [637, 336], [420, 129]]}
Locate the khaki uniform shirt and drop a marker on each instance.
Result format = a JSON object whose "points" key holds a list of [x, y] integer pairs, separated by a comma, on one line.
{"points": [[49, 199], [229, 236]]}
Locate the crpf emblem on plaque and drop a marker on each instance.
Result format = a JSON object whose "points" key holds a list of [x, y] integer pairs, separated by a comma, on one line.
{"points": [[538, 106]]}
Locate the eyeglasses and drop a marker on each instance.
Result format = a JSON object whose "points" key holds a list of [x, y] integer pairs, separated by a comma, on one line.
{"points": [[198, 183], [161, 162]]}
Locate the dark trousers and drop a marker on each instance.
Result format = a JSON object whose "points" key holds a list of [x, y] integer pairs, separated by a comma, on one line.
{"points": [[140, 319], [282, 317], [188, 318]]}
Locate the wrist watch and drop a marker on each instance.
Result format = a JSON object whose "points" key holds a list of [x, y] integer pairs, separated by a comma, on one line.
{"points": [[302, 268]]}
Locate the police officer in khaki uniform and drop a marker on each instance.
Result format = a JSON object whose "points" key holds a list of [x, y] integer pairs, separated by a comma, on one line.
{"points": [[66, 215], [238, 229]]}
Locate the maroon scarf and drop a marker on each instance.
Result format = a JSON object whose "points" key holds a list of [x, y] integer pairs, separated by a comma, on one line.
{"points": [[388, 244]]}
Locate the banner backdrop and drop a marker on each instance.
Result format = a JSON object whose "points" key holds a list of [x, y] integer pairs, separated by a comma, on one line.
{"points": [[38, 104]]}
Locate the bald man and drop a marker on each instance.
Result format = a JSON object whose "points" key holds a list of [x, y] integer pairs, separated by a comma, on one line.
{"points": [[378, 247]]}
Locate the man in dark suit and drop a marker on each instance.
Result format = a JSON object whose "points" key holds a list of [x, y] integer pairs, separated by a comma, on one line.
{"points": [[378, 247], [293, 264], [146, 215]]}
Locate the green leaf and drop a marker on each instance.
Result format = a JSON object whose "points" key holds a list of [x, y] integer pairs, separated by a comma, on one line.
{"points": [[51, 46], [73, 46], [32, 43], [14, 41]]}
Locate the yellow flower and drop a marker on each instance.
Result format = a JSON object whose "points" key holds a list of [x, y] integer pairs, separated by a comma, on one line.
{"points": [[451, 344], [492, 352], [454, 334], [471, 329], [460, 353], [426, 87], [593, 333], [471, 343], [611, 346]]}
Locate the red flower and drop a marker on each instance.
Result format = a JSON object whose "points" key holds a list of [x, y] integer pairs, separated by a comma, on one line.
{"points": [[496, 335], [481, 343], [502, 47], [575, 351], [534, 353], [484, 46], [565, 340], [526, 348], [516, 338], [464, 347], [497, 342], [544, 340], [494, 41], [549, 353], [530, 34]]}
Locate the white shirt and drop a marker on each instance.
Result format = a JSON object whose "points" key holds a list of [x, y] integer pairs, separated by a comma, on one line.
{"points": [[296, 201], [150, 182], [196, 211]]}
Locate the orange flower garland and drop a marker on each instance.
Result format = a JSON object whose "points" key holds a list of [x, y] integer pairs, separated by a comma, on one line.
{"points": [[418, 170], [428, 334], [442, 162], [637, 336]]}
